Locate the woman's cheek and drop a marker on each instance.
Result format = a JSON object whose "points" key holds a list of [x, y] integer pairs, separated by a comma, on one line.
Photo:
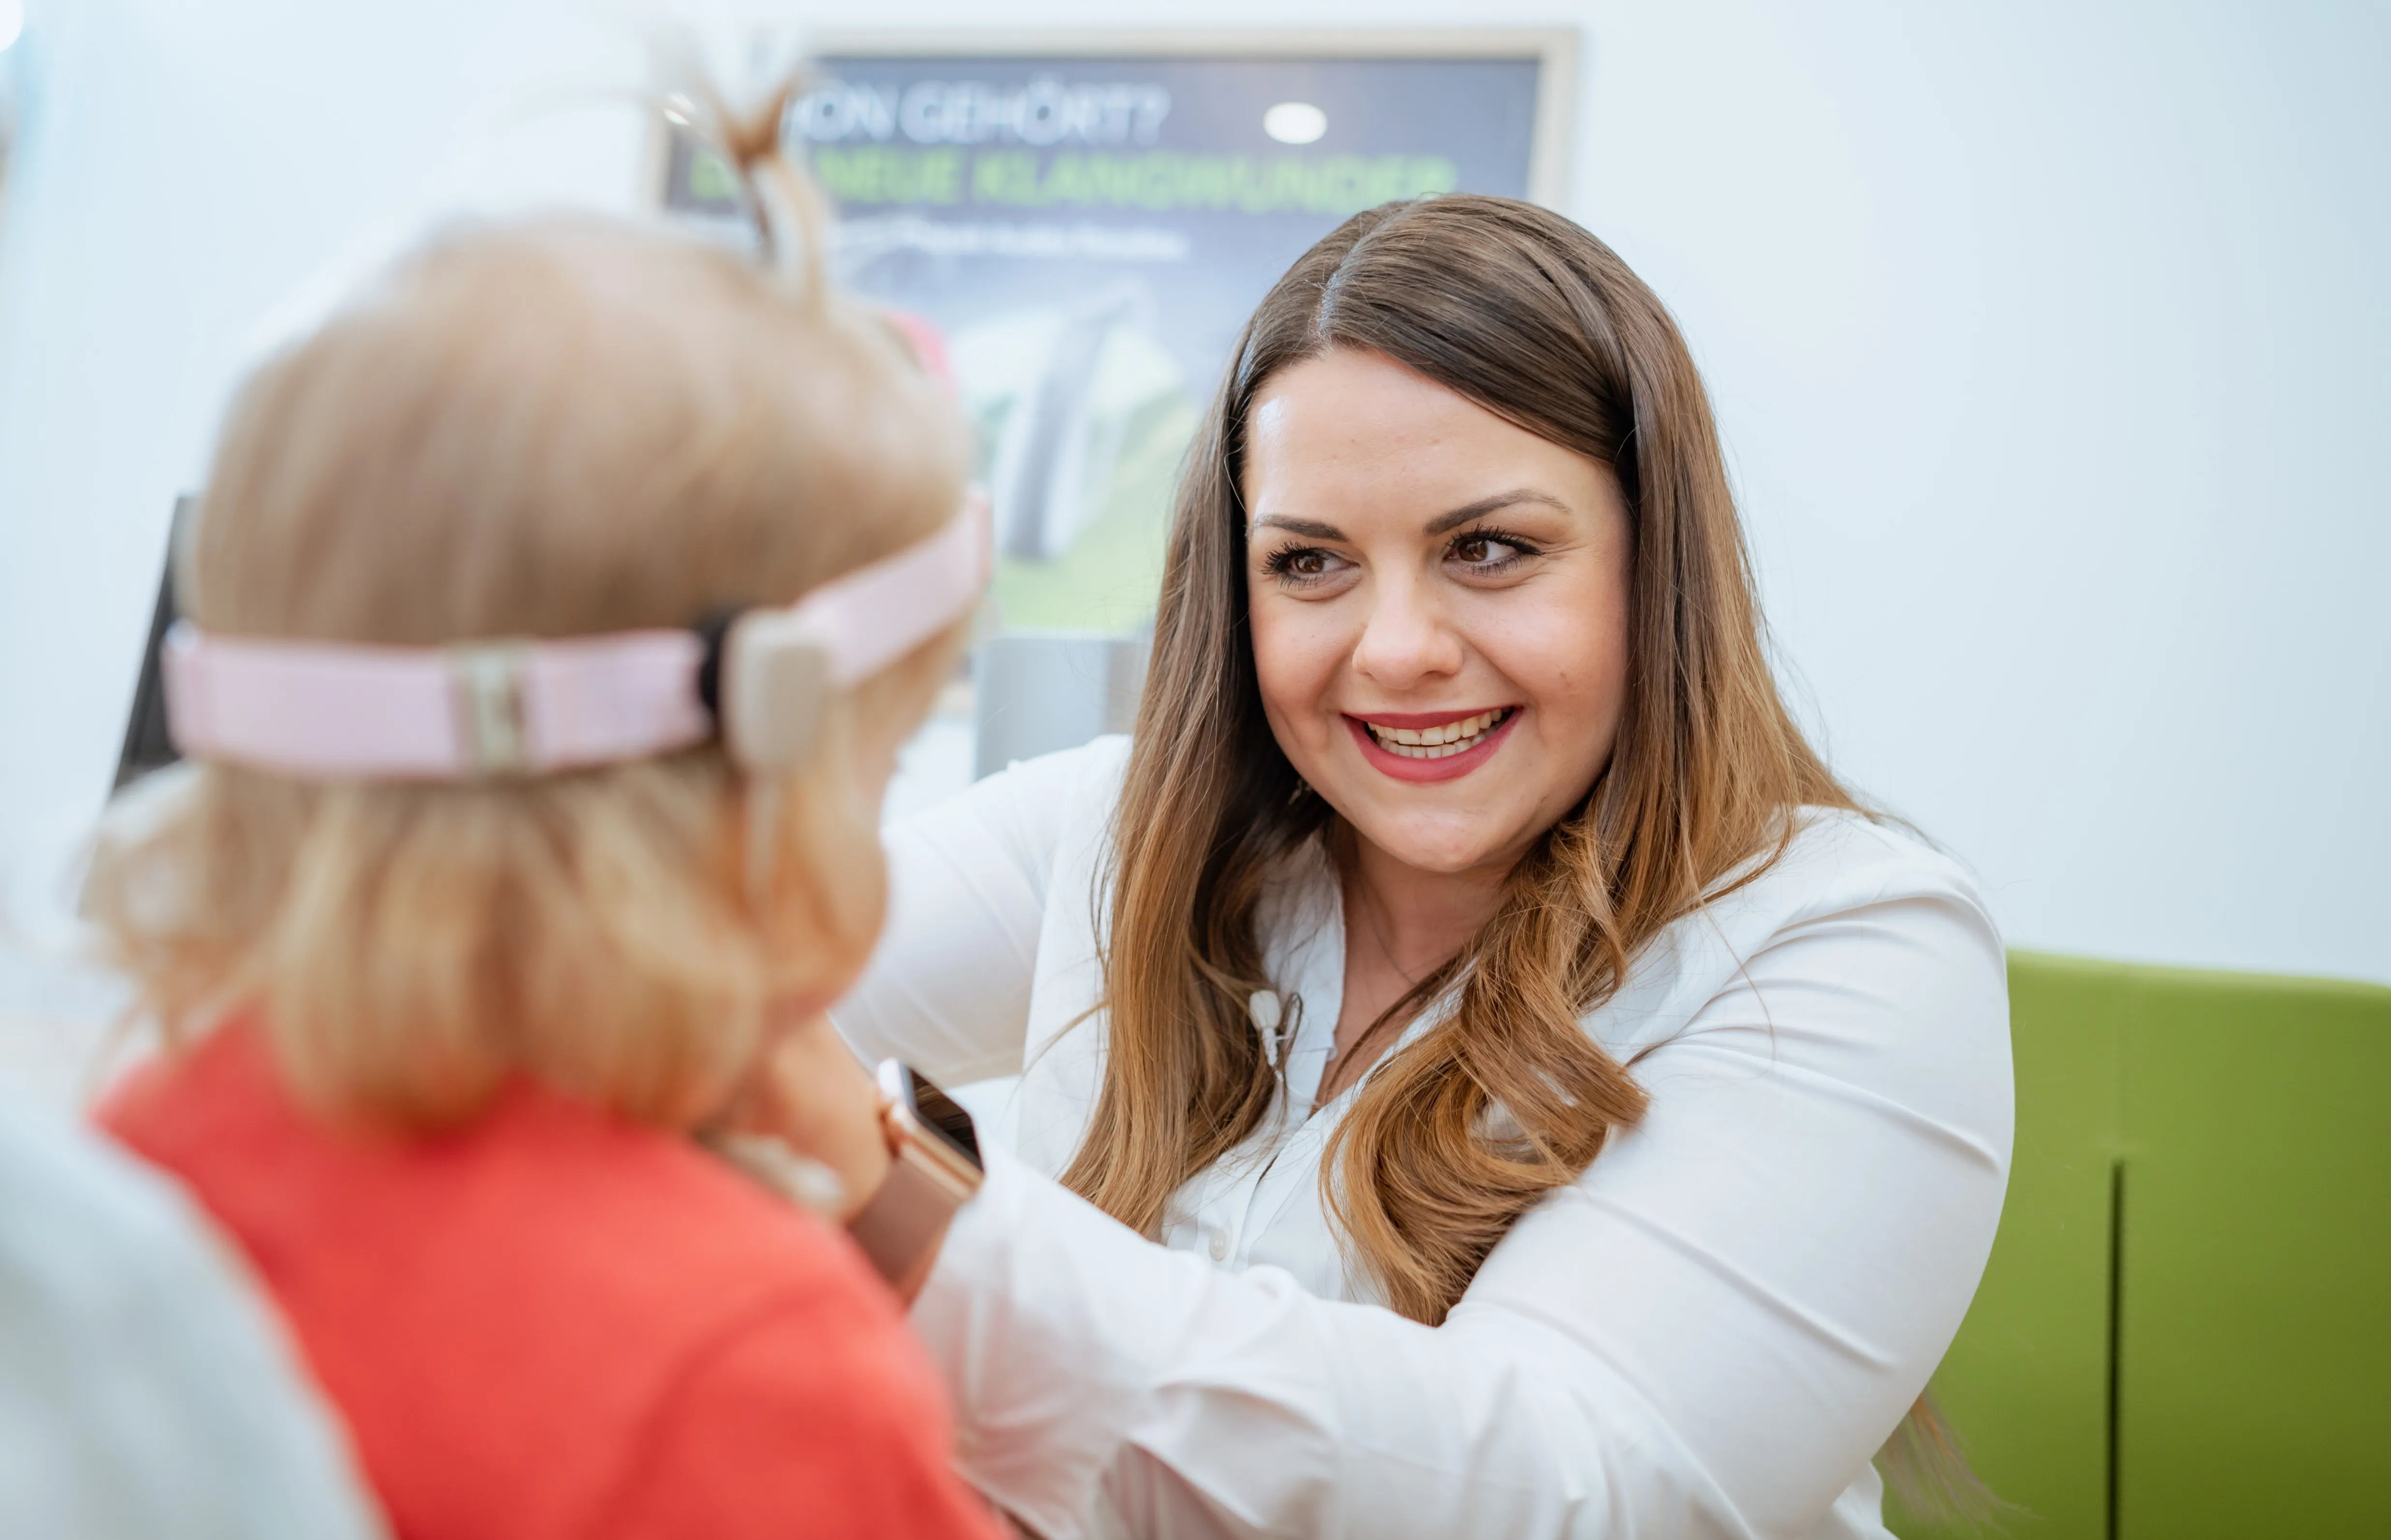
{"points": [[1286, 664], [1573, 675], [1294, 721]]}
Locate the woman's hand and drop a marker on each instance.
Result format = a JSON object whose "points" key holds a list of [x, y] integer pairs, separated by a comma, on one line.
{"points": [[815, 1096]]}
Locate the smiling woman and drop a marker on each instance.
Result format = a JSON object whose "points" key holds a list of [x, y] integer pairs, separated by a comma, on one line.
{"points": [[1464, 462], [1411, 630], [1487, 610], [1562, 1109]]}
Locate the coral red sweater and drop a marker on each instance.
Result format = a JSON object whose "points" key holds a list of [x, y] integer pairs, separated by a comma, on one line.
{"points": [[555, 1324]]}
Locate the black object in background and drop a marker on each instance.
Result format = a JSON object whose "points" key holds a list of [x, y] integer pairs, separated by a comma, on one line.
{"points": [[147, 745]]}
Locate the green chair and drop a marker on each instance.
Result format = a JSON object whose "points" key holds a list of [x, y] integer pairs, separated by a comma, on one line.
{"points": [[2185, 1329]]}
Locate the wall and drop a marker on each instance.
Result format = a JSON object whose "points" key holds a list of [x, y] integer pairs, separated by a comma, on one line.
{"points": [[2047, 339]]}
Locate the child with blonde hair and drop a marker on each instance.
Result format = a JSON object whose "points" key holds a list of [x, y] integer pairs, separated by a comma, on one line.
{"points": [[555, 612]]}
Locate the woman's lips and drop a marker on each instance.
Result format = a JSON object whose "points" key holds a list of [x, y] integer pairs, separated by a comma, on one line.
{"points": [[1418, 771]]}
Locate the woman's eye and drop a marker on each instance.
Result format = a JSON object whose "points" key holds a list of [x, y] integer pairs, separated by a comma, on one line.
{"points": [[1299, 566], [1488, 553]]}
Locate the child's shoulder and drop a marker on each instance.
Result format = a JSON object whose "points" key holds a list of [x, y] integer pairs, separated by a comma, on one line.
{"points": [[547, 1272]]}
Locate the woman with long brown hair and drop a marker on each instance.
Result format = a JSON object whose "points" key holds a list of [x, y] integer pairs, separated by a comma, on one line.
{"points": [[1483, 1074]]}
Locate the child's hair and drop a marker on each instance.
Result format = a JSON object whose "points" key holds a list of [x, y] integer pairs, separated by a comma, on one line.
{"points": [[545, 429]]}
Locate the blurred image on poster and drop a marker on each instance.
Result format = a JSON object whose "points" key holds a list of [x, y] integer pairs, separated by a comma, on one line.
{"points": [[1090, 221]]}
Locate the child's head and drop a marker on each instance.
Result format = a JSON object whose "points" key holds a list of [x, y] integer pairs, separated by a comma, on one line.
{"points": [[554, 430]]}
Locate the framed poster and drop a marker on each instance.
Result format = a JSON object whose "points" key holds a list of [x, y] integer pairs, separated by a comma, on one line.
{"points": [[1090, 218]]}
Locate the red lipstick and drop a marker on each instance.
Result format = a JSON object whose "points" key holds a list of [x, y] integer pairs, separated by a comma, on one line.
{"points": [[1423, 771]]}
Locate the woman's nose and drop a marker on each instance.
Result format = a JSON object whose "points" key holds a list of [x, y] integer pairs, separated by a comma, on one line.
{"points": [[1407, 638]]}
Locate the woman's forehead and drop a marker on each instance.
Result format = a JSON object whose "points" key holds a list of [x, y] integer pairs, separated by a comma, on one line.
{"points": [[1350, 438]]}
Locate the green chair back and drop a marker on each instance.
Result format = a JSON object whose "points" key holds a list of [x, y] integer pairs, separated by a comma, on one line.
{"points": [[2185, 1329]]}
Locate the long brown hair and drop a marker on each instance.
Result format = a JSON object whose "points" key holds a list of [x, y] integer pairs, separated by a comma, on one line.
{"points": [[1461, 1132], [1507, 1097]]}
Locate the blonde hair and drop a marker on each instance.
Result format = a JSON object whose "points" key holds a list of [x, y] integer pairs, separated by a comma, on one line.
{"points": [[551, 429]]}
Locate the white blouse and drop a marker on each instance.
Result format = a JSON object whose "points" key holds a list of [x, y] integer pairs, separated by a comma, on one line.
{"points": [[1708, 1334]]}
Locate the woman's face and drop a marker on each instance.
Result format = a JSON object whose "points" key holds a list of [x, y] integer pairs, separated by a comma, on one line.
{"points": [[1440, 609]]}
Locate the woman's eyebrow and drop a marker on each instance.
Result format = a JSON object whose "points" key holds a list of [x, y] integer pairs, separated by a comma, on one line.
{"points": [[1314, 530], [1304, 527], [1485, 505]]}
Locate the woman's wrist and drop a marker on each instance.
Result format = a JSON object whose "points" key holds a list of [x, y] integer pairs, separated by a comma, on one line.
{"points": [[935, 1169], [902, 1241]]}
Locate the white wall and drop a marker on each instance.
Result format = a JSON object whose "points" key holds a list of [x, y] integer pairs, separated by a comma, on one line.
{"points": [[2048, 340]]}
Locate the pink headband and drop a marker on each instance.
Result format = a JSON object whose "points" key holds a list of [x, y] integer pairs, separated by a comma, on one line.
{"points": [[332, 711]]}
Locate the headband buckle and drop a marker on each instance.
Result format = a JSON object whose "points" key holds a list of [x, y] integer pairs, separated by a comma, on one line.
{"points": [[487, 682]]}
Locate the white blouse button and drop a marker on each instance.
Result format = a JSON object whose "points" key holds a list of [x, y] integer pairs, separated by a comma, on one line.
{"points": [[1220, 1247]]}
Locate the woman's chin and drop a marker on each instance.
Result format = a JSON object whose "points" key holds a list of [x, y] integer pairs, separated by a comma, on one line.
{"points": [[1437, 847]]}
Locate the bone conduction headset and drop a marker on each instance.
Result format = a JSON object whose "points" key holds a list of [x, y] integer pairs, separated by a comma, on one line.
{"points": [[332, 711]]}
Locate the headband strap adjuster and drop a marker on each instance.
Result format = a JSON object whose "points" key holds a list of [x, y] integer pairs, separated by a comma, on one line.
{"points": [[491, 732]]}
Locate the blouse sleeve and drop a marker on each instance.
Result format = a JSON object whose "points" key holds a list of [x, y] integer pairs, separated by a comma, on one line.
{"points": [[1710, 1333], [947, 989], [816, 1418]]}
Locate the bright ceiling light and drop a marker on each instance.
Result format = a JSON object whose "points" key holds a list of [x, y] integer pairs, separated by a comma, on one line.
{"points": [[12, 22], [1289, 123]]}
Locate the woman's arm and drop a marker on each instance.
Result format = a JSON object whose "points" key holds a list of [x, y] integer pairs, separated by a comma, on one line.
{"points": [[949, 986], [1710, 1333]]}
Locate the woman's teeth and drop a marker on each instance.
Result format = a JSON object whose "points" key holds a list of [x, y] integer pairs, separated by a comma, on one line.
{"points": [[1454, 738]]}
